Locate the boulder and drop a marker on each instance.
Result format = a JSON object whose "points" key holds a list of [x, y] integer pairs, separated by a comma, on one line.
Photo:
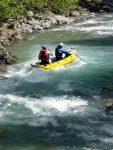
{"points": [[75, 14], [62, 20], [108, 88], [6, 57], [108, 106], [30, 14], [46, 25]]}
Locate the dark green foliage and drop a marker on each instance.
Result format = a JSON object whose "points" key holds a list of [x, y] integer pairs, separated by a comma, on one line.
{"points": [[10, 9], [14, 8]]}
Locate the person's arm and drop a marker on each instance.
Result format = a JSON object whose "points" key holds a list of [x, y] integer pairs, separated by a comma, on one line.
{"points": [[64, 51], [49, 52]]}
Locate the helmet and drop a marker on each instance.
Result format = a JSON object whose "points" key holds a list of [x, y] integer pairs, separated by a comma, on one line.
{"points": [[44, 47], [61, 44]]}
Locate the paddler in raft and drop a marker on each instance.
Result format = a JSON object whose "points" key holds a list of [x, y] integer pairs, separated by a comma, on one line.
{"points": [[44, 55], [60, 53]]}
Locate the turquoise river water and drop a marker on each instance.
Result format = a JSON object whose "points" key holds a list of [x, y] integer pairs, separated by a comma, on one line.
{"points": [[60, 109]]}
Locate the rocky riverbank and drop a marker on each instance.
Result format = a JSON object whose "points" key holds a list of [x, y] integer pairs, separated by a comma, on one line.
{"points": [[12, 29]]}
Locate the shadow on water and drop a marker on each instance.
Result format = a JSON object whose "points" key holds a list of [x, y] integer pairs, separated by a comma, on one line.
{"points": [[68, 132], [103, 41]]}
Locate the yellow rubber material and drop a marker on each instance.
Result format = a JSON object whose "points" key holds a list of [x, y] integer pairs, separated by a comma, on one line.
{"points": [[65, 61]]}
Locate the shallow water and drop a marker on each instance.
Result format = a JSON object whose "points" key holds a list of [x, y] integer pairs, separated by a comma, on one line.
{"points": [[60, 109]]}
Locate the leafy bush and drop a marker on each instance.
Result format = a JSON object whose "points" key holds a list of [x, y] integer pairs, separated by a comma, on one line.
{"points": [[14, 8], [10, 9]]}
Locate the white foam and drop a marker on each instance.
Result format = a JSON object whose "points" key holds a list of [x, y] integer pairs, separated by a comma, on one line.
{"points": [[21, 70], [65, 86], [60, 68], [107, 140], [42, 121], [38, 75], [94, 26], [61, 105], [24, 71], [87, 28], [105, 32]]}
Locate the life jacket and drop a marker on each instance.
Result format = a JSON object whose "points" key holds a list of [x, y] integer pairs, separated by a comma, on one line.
{"points": [[43, 54], [57, 54]]}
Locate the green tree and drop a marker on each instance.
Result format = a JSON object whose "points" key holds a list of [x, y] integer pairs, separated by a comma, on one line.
{"points": [[14, 8]]}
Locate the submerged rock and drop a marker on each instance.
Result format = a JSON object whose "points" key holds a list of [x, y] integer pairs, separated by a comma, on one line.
{"points": [[6, 57], [2, 77], [108, 88], [108, 106]]}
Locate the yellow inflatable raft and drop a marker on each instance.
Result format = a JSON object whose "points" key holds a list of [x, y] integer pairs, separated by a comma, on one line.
{"points": [[62, 62]]}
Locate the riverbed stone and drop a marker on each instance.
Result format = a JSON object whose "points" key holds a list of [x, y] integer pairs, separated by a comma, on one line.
{"points": [[108, 106], [108, 88], [46, 25], [30, 14]]}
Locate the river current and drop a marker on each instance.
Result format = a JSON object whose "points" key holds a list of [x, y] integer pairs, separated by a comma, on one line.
{"points": [[60, 109]]}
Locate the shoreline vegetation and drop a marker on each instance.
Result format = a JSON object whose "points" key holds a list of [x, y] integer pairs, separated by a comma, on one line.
{"points": [[18, 17]]}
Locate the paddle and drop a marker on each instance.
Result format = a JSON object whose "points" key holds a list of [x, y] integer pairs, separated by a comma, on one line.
{"points": [[75, 54]]}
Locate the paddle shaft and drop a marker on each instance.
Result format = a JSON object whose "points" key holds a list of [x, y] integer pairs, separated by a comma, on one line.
{"points": [[75, 54], [79, 57]]}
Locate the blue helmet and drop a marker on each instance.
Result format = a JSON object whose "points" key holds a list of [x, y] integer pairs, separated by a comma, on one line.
{"points": [[44, 47]]}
